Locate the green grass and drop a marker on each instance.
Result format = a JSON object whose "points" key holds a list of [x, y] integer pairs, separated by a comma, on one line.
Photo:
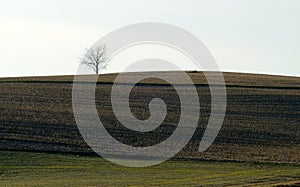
{"points": [[43, 169]]}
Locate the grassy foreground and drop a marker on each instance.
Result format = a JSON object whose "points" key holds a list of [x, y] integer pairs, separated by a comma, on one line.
{"points": [[42, 169]]}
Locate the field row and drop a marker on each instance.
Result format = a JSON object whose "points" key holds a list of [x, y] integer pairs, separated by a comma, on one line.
{"points": [[41, 169]]}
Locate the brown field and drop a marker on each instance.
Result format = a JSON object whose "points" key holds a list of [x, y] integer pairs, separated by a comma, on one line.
{"points": [[261, 124]]}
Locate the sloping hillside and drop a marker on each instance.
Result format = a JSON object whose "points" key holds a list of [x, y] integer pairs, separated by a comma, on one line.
{"points": [[261, 124]]}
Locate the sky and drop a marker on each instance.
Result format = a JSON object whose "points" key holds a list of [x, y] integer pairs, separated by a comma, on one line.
{"points": [[47, 37]]}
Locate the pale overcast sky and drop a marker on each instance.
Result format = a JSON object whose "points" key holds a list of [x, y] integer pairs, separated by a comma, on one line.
{"points": [[47, 37]]}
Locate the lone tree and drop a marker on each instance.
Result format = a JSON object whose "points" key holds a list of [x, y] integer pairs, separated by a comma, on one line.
{"points": [[95, 58]]}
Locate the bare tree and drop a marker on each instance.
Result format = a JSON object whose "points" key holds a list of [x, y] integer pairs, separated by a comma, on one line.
{"points": [[95, 58]]}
